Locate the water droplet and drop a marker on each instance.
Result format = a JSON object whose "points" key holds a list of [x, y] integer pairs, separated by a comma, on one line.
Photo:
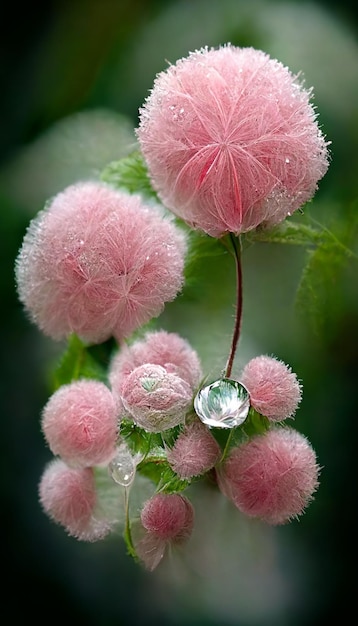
{"points": [[224, 403], [122, 467], [287, 160]]}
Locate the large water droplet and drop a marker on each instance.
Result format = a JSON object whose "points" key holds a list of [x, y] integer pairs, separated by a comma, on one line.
{"points": [[122, 468], [224, 403]]}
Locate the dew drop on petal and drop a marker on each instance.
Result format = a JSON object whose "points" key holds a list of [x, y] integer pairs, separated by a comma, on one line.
{"points": [[224, 403], [122, 467]]}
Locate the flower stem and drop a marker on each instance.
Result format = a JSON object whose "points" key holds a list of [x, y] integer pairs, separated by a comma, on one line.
{"points": [[127, 528], [238, 315]]}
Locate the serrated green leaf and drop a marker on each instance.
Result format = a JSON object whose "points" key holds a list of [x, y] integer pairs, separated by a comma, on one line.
{"points": [[317, 289], [129, 173], [288, 232], [318, 293], [78, 361]]}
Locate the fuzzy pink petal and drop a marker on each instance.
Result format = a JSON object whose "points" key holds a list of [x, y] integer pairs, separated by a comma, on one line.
{"points": [[98, 262], [272, 476], [231, 140]]}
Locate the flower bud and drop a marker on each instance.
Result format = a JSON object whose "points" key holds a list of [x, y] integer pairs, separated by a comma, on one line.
{"points": [[274, 389], [79, 422], [168, 516], [158, 348], [271, 476], [155, 399], [194, 452], [68, 496]]}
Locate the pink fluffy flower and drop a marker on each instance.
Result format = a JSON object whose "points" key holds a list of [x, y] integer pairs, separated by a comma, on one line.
{"points": [[98, 262], [68, 497], [158, 348], [231, 140], [168, 519], [195, 451], [272, 476], [274, 389], [154, 398], [79, 422]]}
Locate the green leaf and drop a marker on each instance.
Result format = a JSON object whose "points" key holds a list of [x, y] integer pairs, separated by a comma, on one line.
{"points": [[131, 174], [160, 472], [317, 290], [139, 440], [80, 361], [288, 232]]}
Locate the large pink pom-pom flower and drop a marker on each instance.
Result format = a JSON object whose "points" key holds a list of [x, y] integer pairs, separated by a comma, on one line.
{"points": [[98, 262], [274, 389], [167, 519], [79, 422], [272, 476], [195, 451], [68, 496], [231, 140], [158, 348], [155, 399]]}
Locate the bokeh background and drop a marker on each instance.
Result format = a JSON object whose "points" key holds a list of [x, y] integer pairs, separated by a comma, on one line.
{"points": [[73, 77]]}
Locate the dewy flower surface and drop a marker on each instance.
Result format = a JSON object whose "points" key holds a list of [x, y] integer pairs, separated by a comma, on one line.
{"points": [[231, 140], [155, 399], [274, 389], [79, 422], [271, 476], [98, 262]]}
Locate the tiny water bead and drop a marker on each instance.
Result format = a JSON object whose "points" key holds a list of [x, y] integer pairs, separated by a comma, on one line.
{"points": [[122, 467], [225, 403]]}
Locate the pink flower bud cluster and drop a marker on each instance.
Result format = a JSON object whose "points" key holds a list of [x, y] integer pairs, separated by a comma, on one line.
{"points": [[272, 476], [80, 426], [231, 140], [155, 379]]}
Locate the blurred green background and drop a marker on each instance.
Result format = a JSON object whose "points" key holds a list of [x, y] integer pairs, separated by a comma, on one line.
{"points": [[73, 77]]}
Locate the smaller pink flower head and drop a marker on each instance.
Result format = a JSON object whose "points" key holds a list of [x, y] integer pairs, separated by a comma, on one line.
{"points": [[272, 476], [195, 451], [79, 422], [231, 140], [169, 517], [274, 389], [98, 262], [68, 497], [155, 399], [158, 348]]}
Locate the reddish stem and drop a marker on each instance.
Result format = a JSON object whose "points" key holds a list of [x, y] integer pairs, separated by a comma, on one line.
{"points": [[238, 314]]}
